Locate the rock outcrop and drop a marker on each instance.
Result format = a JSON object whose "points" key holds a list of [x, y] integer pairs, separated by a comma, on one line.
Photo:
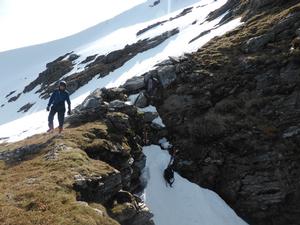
{"points": [[232, 108], [96, 66], [98, 162]]}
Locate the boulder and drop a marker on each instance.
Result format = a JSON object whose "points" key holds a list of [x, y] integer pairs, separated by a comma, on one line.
{"points": [[91, 103], [256, 43], [119, 120], [130, 210], [73, 57], [134, 85], [166, 75], [113, 56], [141, 101], [150, 116], [111, 94], [117, 104]]}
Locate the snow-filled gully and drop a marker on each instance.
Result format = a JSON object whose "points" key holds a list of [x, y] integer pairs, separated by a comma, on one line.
{"points": [[184, 203]]}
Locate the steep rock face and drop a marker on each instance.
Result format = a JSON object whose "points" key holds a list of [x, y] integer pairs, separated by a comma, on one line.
{"points": [[232, 109], [94, 165]]}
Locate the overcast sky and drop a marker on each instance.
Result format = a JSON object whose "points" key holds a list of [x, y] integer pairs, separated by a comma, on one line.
{"points": [[28, 22]]}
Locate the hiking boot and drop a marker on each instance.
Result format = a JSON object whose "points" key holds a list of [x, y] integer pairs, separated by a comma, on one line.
{"points": [[50, 130], [60, 130]]}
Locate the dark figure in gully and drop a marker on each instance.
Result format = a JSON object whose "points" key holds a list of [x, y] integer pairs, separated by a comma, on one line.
{"points": [[57, 105]]}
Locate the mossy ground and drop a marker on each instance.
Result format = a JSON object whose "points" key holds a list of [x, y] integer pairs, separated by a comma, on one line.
{"points": [[40, 190]]}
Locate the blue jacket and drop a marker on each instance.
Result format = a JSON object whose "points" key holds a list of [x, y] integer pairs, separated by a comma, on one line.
{"points": [[58, 99]]}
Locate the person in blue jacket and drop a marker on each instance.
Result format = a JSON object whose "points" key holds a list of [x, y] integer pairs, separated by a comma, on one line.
{"points": [[57, 105]]}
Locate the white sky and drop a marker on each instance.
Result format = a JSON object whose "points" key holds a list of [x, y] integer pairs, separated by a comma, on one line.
{"points": [[28, 22]]}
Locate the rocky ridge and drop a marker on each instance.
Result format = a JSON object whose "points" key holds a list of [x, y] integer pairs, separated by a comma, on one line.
{"points": [[232, 108], [96, 164]]}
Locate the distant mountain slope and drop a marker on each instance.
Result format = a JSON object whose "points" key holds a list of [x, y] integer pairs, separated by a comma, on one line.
{"points": [[117, 40]]}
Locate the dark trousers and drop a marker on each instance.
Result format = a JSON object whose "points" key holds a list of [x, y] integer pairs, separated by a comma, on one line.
{"points": [[60, 115]]}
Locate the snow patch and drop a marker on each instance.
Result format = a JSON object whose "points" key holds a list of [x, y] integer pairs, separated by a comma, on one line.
{"points": [[185, 203]]}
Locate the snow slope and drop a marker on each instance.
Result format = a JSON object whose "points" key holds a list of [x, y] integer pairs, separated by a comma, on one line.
{"points": [[21, 66], [185, 203], [44, 17]]}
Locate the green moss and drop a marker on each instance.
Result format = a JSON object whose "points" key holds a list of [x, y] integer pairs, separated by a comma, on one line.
{"points": [[40, 190]]}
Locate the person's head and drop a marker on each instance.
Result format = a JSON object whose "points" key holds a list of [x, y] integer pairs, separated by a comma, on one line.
{"points": [[62, 85]]}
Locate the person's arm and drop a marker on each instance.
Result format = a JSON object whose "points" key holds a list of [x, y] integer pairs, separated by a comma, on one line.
{"points": [[51, 100], [69, 103]]}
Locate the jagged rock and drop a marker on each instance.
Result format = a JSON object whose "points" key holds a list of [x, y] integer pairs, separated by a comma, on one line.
{"points": [[166, 75], [54, 152], [235, 116], [130, 210], [117, 105], [73, 57], [101, 67], [290, 73], [89, 59], [119, 120], [93, 101], [286, 22], [55, 70], [150, 116], [20, 153], [97, 189], [141, 100], [25, 108], [166, 62], [256, 43], [134, 85], [10, 93], [112, 94], [291, 131], [256, 4], [14, 98]]}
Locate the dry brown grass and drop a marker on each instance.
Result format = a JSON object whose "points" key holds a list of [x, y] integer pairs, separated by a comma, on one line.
{"points": [[39, 191], [222, 51]]}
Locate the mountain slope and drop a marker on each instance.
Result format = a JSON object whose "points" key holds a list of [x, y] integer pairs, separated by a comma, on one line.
{"points": [[233, 110], [101, 40]]}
